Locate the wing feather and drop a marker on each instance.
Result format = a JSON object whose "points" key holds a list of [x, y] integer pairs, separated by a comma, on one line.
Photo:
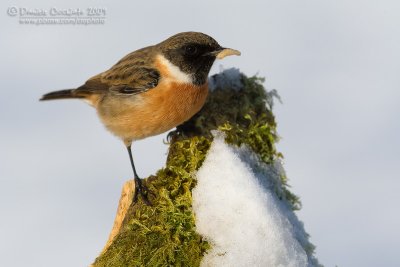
{"points": [[133, 74]]}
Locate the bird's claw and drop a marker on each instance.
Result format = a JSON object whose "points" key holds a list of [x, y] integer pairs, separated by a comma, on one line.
{"points": [[141, 190]]}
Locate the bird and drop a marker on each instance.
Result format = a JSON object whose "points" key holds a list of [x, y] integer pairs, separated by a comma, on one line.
{"points": [[151, 90]]}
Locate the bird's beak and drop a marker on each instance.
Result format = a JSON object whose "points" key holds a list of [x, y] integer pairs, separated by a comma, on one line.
{"points": [[227, 52], [224, 52]]}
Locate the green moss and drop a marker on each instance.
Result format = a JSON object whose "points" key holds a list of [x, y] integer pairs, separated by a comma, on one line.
{"points": [[164, 234], [245, 116]]}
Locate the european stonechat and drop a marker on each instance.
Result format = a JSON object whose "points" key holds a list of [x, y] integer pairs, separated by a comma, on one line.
{"points": [[151, 90]]}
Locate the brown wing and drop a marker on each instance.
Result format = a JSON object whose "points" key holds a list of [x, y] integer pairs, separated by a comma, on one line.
{"points": [[133, 74]]}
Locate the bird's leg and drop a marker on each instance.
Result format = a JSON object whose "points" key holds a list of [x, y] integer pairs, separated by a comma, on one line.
{"points": [[140, 189]]}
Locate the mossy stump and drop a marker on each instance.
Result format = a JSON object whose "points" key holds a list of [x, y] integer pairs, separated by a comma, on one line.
{"points": [[164, 234]]}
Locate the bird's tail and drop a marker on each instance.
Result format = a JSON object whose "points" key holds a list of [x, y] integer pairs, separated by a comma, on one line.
{"points": [[61, 94]]}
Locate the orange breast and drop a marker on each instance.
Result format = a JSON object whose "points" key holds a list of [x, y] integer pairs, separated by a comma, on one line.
{"points": [[169, 105], [157, 110]]}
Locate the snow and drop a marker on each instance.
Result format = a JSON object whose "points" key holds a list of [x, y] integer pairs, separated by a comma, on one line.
{"points": [[227, 78], [231, 79], [238, 211]]}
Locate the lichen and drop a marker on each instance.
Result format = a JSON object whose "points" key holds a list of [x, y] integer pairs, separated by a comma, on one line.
{"points": [[164, 234]]}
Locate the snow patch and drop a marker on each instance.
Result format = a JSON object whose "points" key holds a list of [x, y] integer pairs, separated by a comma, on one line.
{"points": [[237, 210], [229, 78]]}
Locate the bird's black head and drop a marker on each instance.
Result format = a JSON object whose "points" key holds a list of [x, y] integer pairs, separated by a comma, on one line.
{"points": [[194, 53]]}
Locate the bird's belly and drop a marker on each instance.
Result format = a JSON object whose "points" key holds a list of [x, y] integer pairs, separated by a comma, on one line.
{"points": [[156, 111]]}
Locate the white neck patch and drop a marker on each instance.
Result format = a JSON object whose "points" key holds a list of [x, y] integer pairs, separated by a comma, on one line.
{"points": [[175, 72]]}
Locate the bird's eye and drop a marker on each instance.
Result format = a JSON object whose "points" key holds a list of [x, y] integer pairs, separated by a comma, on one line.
{"points": [[190, 50]]}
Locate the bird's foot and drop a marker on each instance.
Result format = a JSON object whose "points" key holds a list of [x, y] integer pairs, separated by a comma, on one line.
{"points": [[141, 190]]}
